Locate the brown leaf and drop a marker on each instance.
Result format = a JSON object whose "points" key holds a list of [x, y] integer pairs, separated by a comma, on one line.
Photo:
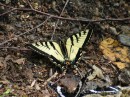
{"points": [[120, 65], [108, 54], [115, 52]]}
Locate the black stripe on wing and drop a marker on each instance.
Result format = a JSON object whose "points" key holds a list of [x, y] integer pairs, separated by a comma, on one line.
{"points": [[79, 54], [51, 43], [75, 43], [53, 59], [88, 37], [72, 39], [79, 39], [36, 49]]}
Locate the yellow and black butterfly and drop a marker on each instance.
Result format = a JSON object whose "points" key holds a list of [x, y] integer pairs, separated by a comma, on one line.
{"points": [[63, 55]]}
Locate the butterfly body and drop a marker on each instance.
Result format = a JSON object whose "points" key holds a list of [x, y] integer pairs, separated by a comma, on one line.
{"points": [[63, 55]]}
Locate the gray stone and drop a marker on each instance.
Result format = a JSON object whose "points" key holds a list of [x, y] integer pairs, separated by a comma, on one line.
{"points": [[125, 40]]}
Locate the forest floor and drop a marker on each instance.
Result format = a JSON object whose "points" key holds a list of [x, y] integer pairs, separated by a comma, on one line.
{"points": [[24, 73]]}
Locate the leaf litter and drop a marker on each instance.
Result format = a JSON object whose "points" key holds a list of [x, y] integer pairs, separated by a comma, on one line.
{"points": [[19, 69]]}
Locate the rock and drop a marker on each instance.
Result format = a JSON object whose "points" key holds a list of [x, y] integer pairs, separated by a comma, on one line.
{"points": [[125, 30], [124, 76], [70, 82], [116, 4], [113, 30], [125, 40]]}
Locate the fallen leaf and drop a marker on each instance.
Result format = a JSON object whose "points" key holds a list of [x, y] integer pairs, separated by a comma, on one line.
{"points": [[109, 55], [20, 61], [115, 52], [97, 72], [120, 65]]}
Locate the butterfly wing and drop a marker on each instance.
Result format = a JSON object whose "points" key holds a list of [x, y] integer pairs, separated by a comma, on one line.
{"points": [[51, 49], [75, 43]]}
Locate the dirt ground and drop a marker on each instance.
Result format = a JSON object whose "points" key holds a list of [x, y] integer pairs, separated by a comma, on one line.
{"points": [[24, 73]]}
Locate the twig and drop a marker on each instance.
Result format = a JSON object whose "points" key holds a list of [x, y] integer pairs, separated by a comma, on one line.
{"points": [[77, 20], [8, 12], [15, 48], [29, 4], [63, 18], [33, 83], [24, 32], [1, 4], [54, 16], [58, 19], [49, 79]]}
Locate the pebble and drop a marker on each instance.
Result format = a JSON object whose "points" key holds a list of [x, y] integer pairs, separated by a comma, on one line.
{"points": [[125, 40]]}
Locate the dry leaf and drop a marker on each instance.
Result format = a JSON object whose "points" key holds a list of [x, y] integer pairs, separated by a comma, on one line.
{"points": [[20, 61], [120, 65], [97, 72], [116, 53], [109, 55]]}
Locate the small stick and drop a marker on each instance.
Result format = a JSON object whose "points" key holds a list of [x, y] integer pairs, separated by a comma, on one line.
{"points": [[58, 19], [49, 79], [24, 32]]}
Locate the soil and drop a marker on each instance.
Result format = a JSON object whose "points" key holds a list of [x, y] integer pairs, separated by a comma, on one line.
{"points": [[24, 73]]}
